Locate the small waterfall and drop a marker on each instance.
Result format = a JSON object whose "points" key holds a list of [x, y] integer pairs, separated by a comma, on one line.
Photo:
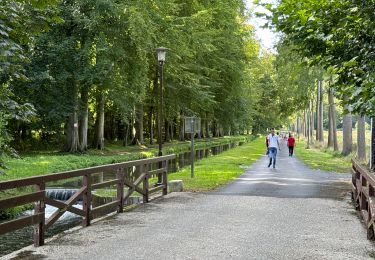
{"points": [[60, 194]]}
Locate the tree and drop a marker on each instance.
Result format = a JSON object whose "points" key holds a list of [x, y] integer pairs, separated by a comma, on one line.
{"points": [[361, 140], [319, 112], [20, 22], [347, 133], [332, 130], [337, 35], [93, 74]]}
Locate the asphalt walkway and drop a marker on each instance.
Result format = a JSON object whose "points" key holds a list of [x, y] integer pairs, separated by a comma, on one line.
{"points": [[291, 212]]}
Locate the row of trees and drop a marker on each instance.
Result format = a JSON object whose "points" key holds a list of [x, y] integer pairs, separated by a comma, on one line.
{"points": [[338, 37], [82, 71]]}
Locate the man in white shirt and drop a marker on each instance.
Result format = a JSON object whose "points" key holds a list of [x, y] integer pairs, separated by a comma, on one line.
{"points": [[273, 146]]}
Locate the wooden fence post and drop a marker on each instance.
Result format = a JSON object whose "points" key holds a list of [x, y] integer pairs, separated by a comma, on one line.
{"points": [[120, 190], [363, 198], [144, 169], [38, 235], [87, 200], [165, 178]]}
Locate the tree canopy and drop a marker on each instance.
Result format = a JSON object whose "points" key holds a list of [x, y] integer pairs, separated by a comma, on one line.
{"points": [[337, 35], [80, 72]]}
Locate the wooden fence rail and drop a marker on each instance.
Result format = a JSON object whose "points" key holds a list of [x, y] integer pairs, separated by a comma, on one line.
{"points": [[363, 195], [127, 182]]}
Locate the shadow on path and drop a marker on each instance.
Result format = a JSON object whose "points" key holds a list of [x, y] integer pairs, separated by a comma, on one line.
{"points": [[291, 179]]}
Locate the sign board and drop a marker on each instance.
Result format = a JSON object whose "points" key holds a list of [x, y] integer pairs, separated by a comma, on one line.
{"points": [[192, 125]]}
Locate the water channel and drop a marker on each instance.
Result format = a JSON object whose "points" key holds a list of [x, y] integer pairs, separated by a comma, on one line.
{"points": [[63, 190]]}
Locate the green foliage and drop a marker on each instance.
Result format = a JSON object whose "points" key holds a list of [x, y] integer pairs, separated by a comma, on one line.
{"points": [[82, 54], [20, 21], [337, 35], [296, 80], [14, 212]]}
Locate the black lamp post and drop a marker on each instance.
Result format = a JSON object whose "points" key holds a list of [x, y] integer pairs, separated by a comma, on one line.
{"points": [[161, 51]]}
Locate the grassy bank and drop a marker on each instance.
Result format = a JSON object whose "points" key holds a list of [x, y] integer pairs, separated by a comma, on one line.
{"points": [[217, 170], [319, 157], [38, 163], [213, 171]]}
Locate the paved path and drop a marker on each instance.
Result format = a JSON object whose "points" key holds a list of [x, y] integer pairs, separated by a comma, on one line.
{"points": [[291, 212]]}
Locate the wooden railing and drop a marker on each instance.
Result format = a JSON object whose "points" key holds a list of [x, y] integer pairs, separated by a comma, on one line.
{"points": [[126, 181], [363, 195]]}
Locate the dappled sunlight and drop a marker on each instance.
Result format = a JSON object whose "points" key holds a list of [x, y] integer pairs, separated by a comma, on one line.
{"points": [[264, 182], [278, 178], [42, 163]]}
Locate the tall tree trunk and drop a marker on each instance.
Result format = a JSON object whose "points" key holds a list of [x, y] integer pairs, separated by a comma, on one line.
{"points": [[84, 119], [330, 127], [298, 126], [138, 124], [207, 128], [167, 131], [126, 134], [347, 134], [361, 140], [332, 118], [71, 126], [71, 133], [317, 136], [308, 125], [99, 136], [311, 123], [320, 105], [173, 128], [305, 123], [151, 124], [182, 127], [203, 128]]}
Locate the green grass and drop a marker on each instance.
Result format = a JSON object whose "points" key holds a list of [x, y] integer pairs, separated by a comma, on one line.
{"points": [[215, 171], [44, 162], [323, 158], [354, 137]]}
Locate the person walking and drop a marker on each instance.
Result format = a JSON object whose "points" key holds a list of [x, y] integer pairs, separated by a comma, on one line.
{"points": [[291, 144], [272, 147]]}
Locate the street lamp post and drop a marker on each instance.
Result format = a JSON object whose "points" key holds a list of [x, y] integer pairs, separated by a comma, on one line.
{"points": [[161, 52]]}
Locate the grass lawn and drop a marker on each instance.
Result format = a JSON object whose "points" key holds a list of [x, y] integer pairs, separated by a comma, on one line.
{"points": [[44, 162], [215, 171], [323, 159]]}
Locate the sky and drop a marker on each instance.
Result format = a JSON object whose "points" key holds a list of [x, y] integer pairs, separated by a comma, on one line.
{"points": [[266, 36]]}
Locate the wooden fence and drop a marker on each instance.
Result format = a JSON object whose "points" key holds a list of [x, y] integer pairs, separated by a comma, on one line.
{"points": [[363, 195], [126, 181]]}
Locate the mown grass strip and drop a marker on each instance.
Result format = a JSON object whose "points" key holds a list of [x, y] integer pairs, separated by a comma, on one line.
{"points": [[38, 163], [323, 159], [218, 170]]}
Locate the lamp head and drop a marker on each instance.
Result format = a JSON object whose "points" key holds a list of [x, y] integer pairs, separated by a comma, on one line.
{"points": [[161, 51]]}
